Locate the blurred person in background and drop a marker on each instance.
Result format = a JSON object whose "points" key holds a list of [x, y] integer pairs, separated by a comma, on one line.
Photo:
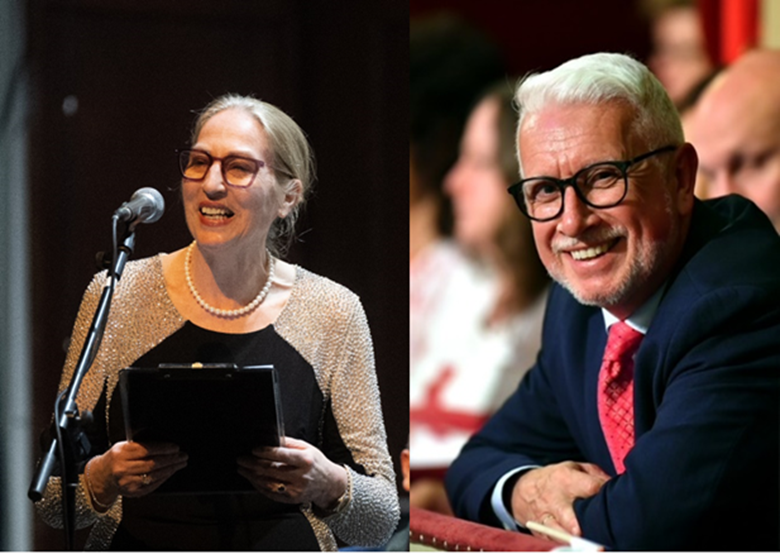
{"points": [[686, 109], [679, 55], [450, 64], [736, 131], [487, 330]]}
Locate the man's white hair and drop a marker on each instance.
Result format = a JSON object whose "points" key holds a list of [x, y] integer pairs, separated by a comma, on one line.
{"points": [[601, 79]]}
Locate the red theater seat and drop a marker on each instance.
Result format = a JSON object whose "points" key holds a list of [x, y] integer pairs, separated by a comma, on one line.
{"points": [[453, 534]]}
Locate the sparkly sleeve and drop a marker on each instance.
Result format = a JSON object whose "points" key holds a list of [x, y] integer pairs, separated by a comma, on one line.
{"points": [[141, 316], [372, 512], [326, 324], [50, 506]]}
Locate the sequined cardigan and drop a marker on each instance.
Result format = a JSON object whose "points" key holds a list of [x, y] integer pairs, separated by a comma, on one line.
{"points": [[322, 320]]}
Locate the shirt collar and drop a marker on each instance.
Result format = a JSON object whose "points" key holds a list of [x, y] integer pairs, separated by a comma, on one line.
{"points": [[640, 320]]}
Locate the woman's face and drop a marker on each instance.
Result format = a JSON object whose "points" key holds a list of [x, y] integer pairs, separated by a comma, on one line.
{"points": [[475, 183], [679, 57], [220, 215]]}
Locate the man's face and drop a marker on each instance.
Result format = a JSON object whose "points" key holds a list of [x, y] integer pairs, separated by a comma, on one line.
{"points": [[737, 137], [617, 257]]}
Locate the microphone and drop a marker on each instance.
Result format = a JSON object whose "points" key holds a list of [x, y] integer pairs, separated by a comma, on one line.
{"points": [[145, 206]]}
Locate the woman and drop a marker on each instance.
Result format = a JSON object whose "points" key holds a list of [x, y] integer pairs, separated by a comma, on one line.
{"points": [[228, 298], [484, 330]]}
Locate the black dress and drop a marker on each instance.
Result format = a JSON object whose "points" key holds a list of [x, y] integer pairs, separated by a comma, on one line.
{"points": [[241, 521]]}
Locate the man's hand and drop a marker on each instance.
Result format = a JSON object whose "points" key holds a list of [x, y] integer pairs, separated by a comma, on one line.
{"points": [[546, 494]]}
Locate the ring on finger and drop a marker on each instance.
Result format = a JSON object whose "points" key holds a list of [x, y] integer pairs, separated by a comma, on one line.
{"points": [[281, 488], [146, 479], [545, 517]]}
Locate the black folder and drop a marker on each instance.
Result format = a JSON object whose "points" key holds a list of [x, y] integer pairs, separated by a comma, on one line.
{"points": [[214, 412]]}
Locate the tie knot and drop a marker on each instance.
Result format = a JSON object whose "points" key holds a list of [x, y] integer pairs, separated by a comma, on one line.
{"points": [[623, 342]]}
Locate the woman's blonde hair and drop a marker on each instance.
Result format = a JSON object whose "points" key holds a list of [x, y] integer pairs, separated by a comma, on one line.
{"points": [[291, 157]]}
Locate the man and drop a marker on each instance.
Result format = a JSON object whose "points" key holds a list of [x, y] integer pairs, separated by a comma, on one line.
{"points": [[691, 286], [736, 131]]}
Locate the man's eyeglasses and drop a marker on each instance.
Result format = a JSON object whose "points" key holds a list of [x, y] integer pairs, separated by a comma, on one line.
{"points": [[238, 171], [600, 185]]}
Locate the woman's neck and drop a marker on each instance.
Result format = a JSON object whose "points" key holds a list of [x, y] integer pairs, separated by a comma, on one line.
{"points": [[228, 278]]}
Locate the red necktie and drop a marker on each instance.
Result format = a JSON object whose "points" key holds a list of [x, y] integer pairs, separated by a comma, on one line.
{"points": [[616, 391]]}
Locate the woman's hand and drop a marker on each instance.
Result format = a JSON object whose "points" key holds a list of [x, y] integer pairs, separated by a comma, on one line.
{"points": [[132, 469], [294, 473]]}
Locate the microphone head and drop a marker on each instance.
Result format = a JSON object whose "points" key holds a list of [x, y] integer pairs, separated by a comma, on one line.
{"points": [[151, 202]]}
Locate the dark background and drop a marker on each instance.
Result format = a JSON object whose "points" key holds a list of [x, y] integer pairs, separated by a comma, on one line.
{"points": [[537, 35], [114, 85]]}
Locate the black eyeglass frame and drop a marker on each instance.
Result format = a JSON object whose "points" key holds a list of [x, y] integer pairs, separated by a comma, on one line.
{"points": [[186, 151], [516, 190]]}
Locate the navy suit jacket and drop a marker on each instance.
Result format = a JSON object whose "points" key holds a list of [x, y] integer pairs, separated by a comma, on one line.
{"points": [[704, 471]]}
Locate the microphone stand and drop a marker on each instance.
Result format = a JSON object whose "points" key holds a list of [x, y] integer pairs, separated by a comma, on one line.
{"points": [[70, 446]]}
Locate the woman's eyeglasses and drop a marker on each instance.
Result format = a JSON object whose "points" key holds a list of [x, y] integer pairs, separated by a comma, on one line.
{"points": [[238, 171]]}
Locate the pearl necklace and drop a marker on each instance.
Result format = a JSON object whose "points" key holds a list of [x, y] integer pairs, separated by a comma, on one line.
{"points": [[228, 313]]}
